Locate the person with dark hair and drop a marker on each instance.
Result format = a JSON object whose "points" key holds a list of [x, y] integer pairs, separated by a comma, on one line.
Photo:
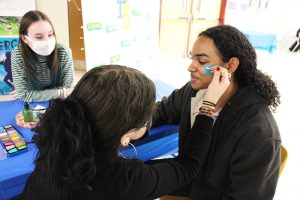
{"points": [[42, 68], [296, 45], [243, 160], [7, 67], [78, 139]]}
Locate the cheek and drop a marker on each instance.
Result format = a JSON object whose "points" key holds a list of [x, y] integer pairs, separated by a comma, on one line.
{"points": [[207, 79], [203, 83]]}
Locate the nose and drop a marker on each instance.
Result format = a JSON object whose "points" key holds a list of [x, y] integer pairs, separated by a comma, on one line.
{"points": [[194, 66]]}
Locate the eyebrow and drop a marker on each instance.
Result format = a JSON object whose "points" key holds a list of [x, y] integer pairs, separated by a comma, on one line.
{"points": [[198, 55], [37, 34], [40, 34]]}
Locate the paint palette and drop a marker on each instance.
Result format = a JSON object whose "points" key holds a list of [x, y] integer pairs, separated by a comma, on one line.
{"points": [[12, 141]]}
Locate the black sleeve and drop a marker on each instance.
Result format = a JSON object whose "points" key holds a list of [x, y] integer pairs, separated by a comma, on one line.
{"points": [[166, 175], [254, 173], [168, 110], [255, 164]]}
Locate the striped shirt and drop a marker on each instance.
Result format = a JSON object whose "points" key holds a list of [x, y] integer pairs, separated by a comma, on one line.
{"points": [[42, 72]]}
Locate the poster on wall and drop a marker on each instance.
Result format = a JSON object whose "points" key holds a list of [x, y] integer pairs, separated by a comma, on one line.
{"points": [[122, 32], [11, 13]]}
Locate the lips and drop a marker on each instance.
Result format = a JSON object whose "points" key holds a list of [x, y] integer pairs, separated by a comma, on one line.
{"points": [[194, 78]]}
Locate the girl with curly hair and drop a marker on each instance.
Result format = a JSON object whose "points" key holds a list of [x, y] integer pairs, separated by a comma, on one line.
{"points": [[243, 160]]}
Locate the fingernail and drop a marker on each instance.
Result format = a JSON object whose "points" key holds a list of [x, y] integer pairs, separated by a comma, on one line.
{"points": [[218, 69]]}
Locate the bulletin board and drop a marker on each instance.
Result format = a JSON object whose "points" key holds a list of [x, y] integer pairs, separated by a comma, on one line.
{"points": [[11, 12], [122, 32]]}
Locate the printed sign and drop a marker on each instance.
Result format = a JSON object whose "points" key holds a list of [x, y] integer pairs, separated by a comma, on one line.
{"points": [[9, 27]]}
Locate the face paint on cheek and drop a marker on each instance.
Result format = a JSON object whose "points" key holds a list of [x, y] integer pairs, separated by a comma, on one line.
{"points": [[207, 70]]}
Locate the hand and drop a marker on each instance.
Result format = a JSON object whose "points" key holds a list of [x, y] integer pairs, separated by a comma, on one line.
{"points": [[69, 91], [2, 57], [13, 94], [65, 92], [218, 85]]}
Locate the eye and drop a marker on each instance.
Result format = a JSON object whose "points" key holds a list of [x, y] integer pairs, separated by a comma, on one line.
{"points": [[51, 35], [201, 63]]}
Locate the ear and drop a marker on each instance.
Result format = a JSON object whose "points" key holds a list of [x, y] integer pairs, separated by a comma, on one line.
{"points": [[125, 139], [24, 39], [232, 65]]}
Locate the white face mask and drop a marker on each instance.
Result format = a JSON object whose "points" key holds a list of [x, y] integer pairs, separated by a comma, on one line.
{"points": [[43, 48]]}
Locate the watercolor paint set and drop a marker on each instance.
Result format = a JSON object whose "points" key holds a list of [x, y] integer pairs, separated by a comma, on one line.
{"points": [[12, 141]]}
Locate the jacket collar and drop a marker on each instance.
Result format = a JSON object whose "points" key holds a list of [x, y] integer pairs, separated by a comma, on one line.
{"points": [[244, 97]]}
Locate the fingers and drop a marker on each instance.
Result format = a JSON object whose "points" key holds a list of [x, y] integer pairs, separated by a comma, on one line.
{"points": [[218, 85], [221, 73], [224, 76], [13, 94], [217, 73], [69, 91]]}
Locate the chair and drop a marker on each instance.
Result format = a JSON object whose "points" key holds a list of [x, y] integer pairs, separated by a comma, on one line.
{"points": [[284, 156]]}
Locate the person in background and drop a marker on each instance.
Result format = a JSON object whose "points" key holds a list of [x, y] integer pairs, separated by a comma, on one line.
{"points": [[6, 62], [296, 45], [78, 139], [42, 68], [243, 160]]}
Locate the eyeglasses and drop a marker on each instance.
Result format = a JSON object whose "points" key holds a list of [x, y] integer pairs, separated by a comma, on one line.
{"points": [[148, 124]]}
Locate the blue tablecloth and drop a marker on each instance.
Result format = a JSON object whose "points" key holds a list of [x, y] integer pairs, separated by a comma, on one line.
{"points": [[262, 41], [14, 171]]}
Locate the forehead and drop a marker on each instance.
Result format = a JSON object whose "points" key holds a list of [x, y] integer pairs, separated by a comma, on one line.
{"points": [[39, 27], [204, 47]]}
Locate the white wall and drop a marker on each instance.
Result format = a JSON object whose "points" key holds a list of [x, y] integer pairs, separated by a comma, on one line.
{"points": [[286, 13], [281, 17], [289, 22], [57, 11]]}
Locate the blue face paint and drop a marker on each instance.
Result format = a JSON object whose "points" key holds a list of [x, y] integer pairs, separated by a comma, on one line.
{"points": [[206, 69]]}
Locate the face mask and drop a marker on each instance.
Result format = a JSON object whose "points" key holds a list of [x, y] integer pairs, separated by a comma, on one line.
{"points": [[43, 48]]}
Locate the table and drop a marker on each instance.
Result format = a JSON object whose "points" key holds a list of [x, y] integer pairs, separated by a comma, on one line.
{"points": [[262, 41], [14, 171]]}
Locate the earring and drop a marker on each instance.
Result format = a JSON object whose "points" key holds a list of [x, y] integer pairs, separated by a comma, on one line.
{"points": [[135, 151]]}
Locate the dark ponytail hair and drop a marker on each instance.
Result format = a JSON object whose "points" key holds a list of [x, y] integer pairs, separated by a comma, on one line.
{"points": [[230, 42], [80, 134], [62, 135]]}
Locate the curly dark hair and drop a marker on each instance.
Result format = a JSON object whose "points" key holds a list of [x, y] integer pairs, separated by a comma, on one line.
{"points": [[77, 135], [231, 42]]}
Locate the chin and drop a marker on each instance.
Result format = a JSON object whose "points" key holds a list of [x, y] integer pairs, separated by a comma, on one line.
{"points": [[196, 86]]}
